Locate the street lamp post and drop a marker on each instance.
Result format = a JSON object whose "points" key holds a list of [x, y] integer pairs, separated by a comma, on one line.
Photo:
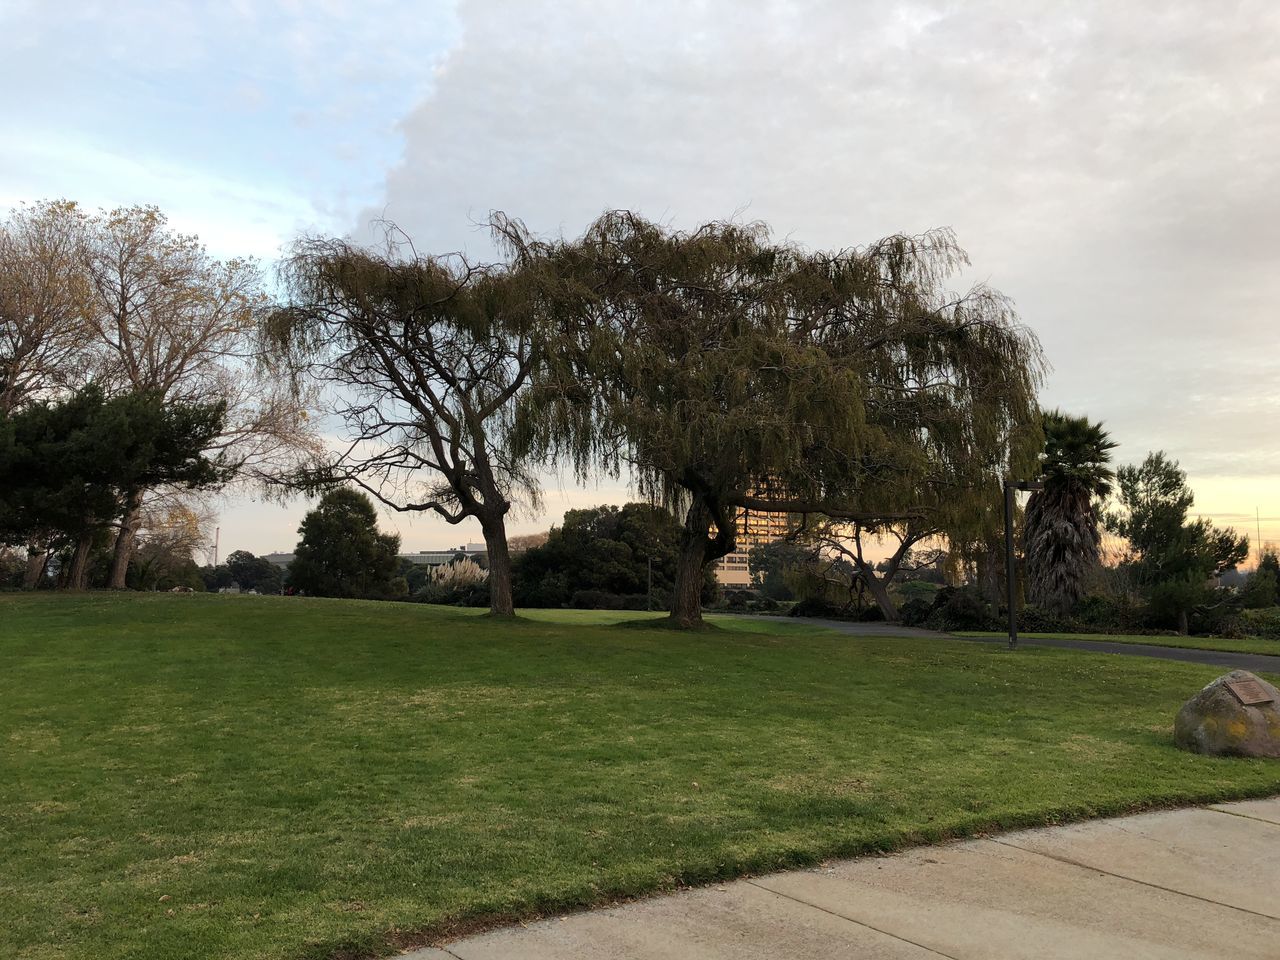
{"points": [[1010, 574]]}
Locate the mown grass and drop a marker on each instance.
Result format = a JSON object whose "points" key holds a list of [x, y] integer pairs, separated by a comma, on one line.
{"points": [[1241, 645], [196, 776]]}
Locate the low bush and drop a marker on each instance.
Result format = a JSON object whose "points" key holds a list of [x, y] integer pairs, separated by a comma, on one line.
{"points": [[816, 607], [915, 612], [1109, 614], [736, 601], [870, 614], [961, 608], [1033, 619], [454, 595], [1263, 623], [1259, 591]]}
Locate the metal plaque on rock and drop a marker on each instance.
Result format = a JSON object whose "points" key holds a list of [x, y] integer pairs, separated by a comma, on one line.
{"points": [[1248, 692]]}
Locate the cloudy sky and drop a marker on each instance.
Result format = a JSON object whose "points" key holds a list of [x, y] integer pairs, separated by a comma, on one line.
{"points": [[1114, 167]]}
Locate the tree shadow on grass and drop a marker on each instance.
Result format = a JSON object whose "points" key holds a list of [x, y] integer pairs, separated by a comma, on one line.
{"points": [[666, 623]]}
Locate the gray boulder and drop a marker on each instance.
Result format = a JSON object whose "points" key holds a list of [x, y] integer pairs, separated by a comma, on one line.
{"points": [[1236, 715]]}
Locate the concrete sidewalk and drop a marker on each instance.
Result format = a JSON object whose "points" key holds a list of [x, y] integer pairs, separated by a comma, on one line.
{"points": [[1196, 883]]}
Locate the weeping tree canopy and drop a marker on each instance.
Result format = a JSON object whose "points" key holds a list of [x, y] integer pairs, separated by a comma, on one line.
{"points": [[731, 371], [423, 357], [1061, 534]]}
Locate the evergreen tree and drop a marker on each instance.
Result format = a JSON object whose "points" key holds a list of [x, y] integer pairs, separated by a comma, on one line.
{"points": [[66, 468], [1173, 557], [254, 573], [341, 553], [57, 471], [605, 551]]}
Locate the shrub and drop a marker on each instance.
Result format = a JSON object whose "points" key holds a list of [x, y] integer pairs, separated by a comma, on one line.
{"points": [[1109, 614], [1199, 609], [915, 612], [737, 601], [815, 607], [458, 574], [910, 590], [1169, 604], [1218, 616], [1261, 623], [1259, 590], [961, 608], [467, 595]]}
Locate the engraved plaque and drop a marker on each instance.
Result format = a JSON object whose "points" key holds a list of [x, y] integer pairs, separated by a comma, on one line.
{"points": [[1249, 692]]}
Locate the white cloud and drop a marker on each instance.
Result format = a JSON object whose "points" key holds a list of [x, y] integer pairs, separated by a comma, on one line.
{"points": [[1113, 167]]}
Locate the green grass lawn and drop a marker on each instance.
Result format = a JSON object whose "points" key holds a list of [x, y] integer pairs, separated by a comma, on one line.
{"points": [[1244, 645], [205, 776]]}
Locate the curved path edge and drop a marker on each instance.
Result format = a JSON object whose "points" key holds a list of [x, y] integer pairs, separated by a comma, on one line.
{"points": [[1221, 658], [1193, 883]]}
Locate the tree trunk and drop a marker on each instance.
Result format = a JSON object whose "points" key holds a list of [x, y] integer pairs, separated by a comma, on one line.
{"points": [[37, 561], [879, 591], [123, 551], [1184, 627], [686, 604], [697, 549], [77, 578], [495, 541]]}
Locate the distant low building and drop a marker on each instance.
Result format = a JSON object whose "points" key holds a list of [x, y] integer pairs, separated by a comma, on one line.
{"points": [[426, 558], [438, 558]]}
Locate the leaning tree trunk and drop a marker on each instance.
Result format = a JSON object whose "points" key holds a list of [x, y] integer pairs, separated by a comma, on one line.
{"points": [[123, 551], [37, 562], [495, 541], [78, 577], [879, 591]]}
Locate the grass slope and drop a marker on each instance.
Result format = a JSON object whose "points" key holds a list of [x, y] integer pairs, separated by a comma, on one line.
{"points": [[1242, 645], [196, 776]]}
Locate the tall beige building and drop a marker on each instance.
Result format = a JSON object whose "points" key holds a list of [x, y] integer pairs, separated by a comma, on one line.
{"points": [[754, 528]]}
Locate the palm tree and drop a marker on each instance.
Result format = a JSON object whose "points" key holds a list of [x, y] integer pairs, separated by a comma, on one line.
{"points": [[1060, 536]]}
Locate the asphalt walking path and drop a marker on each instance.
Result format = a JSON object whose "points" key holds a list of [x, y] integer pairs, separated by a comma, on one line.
{"points": [[1189, 884], [1220, 658]]}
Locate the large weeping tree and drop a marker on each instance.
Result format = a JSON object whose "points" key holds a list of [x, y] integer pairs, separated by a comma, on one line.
{"points": [[424, 357], [727, 371], [1061, 528]]}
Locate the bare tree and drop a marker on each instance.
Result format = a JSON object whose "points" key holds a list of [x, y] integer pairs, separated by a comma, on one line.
{"points": [[168, 537], [911, 547], [43, 301], [427, 356], [168, 317]]}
